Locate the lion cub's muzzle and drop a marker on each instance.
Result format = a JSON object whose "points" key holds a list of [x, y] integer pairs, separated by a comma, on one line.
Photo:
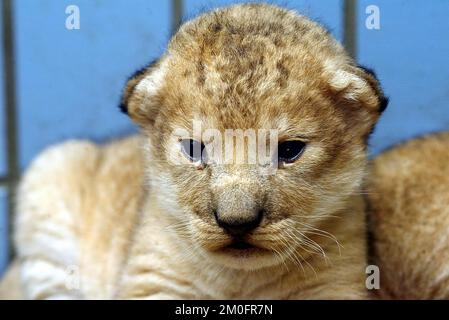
{"points": [[239, 203]]}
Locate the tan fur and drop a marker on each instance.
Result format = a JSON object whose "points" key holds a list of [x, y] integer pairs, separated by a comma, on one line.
{"points": [[10, 284], [76, 209], [409, 200], [245, 66]]}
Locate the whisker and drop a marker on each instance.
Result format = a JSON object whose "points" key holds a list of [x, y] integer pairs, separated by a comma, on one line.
{"points": [[292, 255]]}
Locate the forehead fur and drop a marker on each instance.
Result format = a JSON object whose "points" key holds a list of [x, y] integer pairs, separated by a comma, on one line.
{"points": [[245, 65]]}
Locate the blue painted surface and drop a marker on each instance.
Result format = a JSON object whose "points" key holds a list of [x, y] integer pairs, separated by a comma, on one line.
{"points": [[410, 53], [70, 81], [2, 109]]}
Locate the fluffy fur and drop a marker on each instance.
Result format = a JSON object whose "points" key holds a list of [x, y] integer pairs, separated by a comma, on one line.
{"points": [[10, 284], [76, 207], [245, 66], [409, 209]]}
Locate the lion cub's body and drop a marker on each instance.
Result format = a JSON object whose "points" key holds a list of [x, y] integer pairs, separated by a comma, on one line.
{"points": [[77, 205]]}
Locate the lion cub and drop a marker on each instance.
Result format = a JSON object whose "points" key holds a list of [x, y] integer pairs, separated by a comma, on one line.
{"points": [[181, 213]]}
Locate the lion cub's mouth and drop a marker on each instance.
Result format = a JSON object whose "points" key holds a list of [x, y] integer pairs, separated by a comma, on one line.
{"points": [[240, 245], [241, 248]]}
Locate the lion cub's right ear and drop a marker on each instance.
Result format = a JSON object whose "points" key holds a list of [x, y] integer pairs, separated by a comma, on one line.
{"points": [[141, 100]]}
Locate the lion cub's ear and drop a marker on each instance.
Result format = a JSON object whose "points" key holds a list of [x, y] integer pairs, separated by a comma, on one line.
{"points": [[140, 98], [357, 86], [371, 78], [358, 93]]}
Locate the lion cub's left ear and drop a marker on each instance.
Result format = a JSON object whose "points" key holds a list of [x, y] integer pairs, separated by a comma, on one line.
{"points": [[371, 78], [141, 100], [356, 85], [358, 93]]}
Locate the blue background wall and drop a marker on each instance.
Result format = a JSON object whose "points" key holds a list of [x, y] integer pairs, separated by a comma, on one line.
{"points": [[3, 168], [69, 81], [410, 53]]}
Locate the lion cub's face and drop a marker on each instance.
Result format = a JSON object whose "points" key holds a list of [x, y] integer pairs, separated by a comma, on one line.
{"points": [[257, 124]]}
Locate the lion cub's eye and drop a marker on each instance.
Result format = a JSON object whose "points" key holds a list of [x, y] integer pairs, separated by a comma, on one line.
{"points": [[193, 150], [290, 151]]}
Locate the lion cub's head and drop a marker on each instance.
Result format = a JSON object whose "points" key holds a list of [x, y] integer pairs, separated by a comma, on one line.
{"points": [[256, 122]]}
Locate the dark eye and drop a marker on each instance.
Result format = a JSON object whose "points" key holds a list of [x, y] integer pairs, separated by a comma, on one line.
{"points": [[290, 151], [193, 150]]}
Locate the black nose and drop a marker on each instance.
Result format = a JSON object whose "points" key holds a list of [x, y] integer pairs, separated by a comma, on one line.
{"points": [[238, 227]]}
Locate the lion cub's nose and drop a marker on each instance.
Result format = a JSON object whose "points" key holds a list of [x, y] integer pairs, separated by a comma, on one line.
{"points": [[239, 226]]}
